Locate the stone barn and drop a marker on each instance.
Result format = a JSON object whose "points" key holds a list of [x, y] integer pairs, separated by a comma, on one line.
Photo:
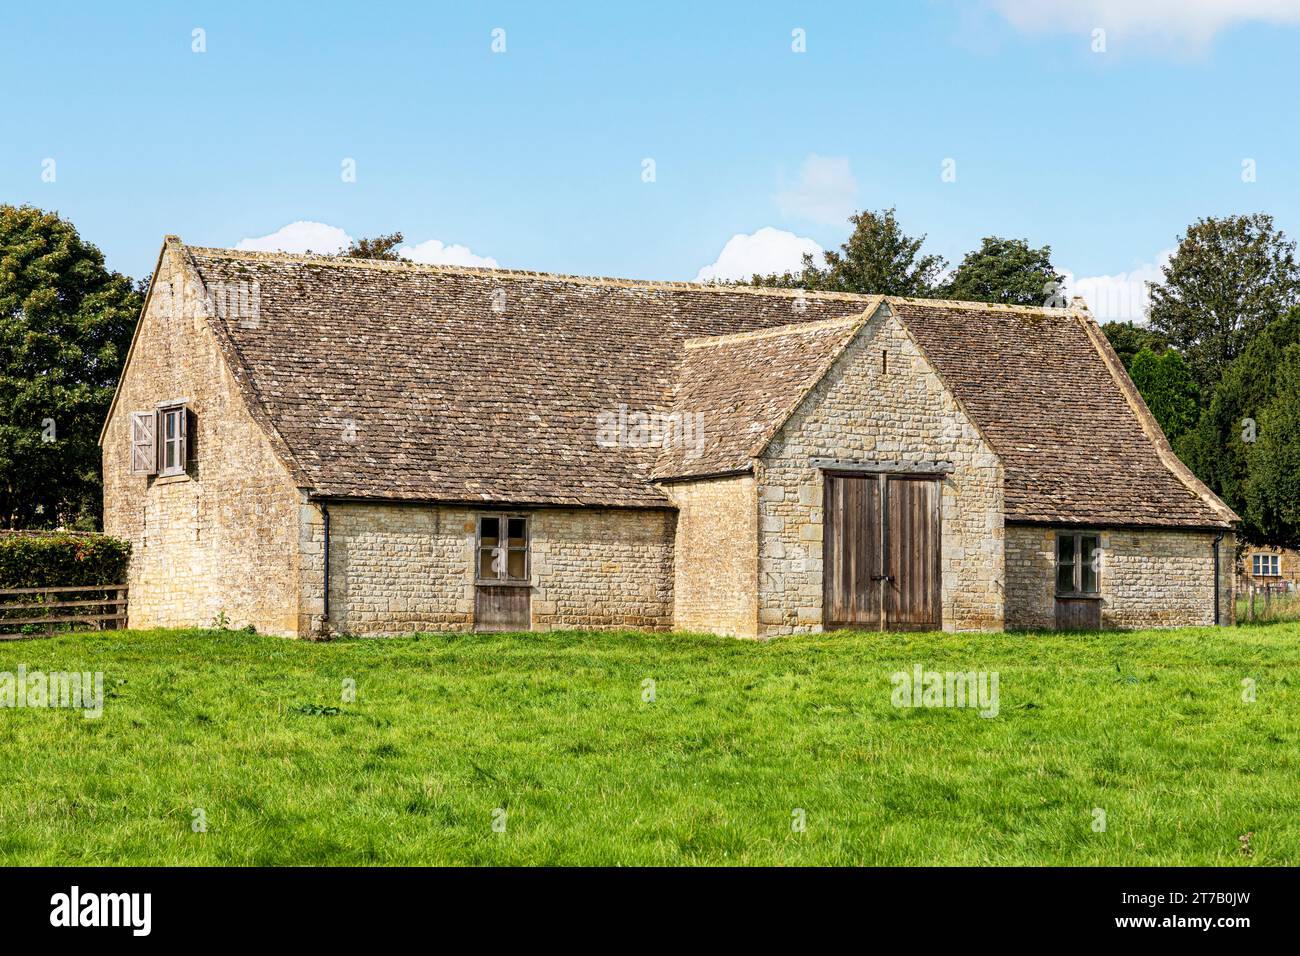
{"points": [[314, 445]]}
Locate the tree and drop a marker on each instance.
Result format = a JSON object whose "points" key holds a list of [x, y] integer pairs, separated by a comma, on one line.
{"points": [[1128, 338], [1006, 271], [1229, 279], [380, 247], [1168, 388], [1272, 493], [1219, 448], [65, 325], [878, 258]]}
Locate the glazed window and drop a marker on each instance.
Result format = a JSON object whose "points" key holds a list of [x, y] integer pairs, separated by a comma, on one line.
{"points": [[171, 440], [160, 441], [1266, 565], [502, 548], [1078, 563]]}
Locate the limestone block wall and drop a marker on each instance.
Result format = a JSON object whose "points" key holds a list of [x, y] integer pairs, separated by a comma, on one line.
{"points": [[1148, 578], [716, 569], [221, 538], [603, 568], [880, 402], [396, 569]]}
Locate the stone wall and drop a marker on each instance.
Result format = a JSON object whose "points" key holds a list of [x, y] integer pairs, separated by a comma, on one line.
{"points": [[716, 569], [868, 410], [1148, 578], [221, 538], [395, 569], [1288, 565], [603, 568]]}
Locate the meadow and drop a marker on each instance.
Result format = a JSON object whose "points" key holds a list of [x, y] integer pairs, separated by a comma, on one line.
{"points": [[231, 748]]}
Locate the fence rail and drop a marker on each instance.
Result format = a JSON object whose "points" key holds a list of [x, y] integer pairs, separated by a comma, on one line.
{"points": [[64, 607]]}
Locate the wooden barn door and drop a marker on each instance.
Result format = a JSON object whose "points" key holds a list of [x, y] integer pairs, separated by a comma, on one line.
{"points": [[912, 586], [881, 552], [851, 552], [502, 595]]}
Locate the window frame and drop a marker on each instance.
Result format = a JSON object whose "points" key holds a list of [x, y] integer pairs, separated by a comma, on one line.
{"points": [[1265, 565], [181, 442], [503, 578], [1076, 565]]}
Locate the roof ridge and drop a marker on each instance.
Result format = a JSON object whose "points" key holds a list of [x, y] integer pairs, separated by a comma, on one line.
{"points": [[1040, 310], [772, 331], [405, 265]]}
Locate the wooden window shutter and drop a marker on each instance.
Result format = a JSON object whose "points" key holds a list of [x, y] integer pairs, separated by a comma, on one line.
{"points": [[144, 443], [182, 428]]}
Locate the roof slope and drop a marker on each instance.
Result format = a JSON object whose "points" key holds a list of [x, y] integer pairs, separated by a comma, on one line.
{"points": [[400, 381], [734, 391], [1075, 446], [472, 384]]}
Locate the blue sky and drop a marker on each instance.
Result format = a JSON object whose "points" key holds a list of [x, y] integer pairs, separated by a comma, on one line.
{"points": [[534, 157]]}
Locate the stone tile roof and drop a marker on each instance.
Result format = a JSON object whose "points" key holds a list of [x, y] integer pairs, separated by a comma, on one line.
{"points": [[401, 381], [472, 384], [734, 391], [1077, 443]]}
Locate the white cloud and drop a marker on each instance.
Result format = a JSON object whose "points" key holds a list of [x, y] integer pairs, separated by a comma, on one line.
{"points": [[324, 239], [766, 251], [301, 236], [1191, 22], [1121, 297], [433, 252], [824, 191]]}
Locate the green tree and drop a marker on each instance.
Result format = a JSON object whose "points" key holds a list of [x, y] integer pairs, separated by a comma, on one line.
{"points": [[878, 259], [1006, 271], [1168, 388], [1272, 492], [1229, 279], [1128, 338], [380, 247], [65, 326], [1218, 448]]}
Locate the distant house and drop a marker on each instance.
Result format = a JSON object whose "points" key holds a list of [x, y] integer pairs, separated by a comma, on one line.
{"points": [[308, 444], [1277, 568]]}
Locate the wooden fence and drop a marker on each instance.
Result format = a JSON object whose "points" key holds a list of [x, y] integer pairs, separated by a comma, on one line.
{"points": [[101, 606], [1258, 597]]}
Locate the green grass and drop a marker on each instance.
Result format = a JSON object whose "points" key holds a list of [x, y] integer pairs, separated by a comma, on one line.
{"points": [[1277, 608], [1149, 726]]}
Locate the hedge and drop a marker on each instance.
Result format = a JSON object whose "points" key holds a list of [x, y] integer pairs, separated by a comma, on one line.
{"points": [[61, 559]]}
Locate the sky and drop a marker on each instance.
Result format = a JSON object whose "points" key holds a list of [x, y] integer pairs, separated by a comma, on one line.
{"points": [[657, 141]]}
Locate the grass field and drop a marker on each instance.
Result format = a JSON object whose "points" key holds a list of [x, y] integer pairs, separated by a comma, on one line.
{"points": [[446, 732]]}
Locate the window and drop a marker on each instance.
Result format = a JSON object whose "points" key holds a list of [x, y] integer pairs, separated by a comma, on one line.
{"points": [[160, 441], [171, 440], [502, 549], [1078, 563], [1266, 565]]}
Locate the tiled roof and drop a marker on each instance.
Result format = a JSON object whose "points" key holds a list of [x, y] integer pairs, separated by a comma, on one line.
{"points": [[400, 381], [734, 391], [1076, 441], [470, 384]]}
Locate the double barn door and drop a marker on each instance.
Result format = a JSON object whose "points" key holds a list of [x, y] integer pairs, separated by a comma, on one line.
{"points": [[882, 552]]}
